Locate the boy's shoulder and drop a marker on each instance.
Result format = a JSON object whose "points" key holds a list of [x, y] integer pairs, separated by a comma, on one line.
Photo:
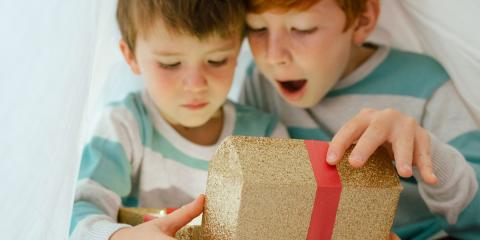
{"points": [[133, 103], [401, 73], [253, 122], [415, 63], [131, 112]]}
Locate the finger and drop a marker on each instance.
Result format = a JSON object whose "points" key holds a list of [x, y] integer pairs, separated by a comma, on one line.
{"points": [[422, 157], [170, 224], [375, 135], [403, 147], [347, 135]]}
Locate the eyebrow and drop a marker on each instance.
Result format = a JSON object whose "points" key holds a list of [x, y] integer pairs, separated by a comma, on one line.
{"points": [[173, 54]]}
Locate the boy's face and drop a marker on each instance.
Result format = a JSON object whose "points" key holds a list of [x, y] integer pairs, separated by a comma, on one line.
{"points": [[303, 53], [187, 78]]}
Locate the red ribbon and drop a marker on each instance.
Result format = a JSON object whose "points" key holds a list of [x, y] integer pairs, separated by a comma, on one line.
{"points": [[328, 192]]}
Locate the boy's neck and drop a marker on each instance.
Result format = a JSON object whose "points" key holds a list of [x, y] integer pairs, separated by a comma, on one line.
{"points": [[359, 55], [206, 134]]}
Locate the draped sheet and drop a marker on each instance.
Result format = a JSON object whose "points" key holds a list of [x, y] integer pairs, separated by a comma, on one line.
{"points": [[60, 63]]}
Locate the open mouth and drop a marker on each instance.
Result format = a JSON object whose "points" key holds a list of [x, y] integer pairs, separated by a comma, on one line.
{"points": [[293, 86]]}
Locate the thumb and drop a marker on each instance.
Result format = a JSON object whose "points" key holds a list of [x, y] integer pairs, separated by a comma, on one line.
{"points": [[171, 223]]}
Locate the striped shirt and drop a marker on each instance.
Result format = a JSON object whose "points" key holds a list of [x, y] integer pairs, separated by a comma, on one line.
{"points": [[417, 86], [136, 159]]}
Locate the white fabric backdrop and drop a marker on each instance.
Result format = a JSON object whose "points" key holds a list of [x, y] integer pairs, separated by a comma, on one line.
{"points": [[446, 30], [47, 50], [60, 62]]}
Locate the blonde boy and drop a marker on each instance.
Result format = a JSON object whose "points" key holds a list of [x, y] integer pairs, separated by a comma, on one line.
{"points": [[152, 149]]}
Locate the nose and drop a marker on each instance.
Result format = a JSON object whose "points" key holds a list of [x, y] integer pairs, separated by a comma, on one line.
{"points": [[195, 80], [278, 53]]}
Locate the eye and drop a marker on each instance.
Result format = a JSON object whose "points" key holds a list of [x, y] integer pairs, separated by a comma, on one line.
{"points": [[169, 66], [218, 63], [305, 31], [256, 30]]}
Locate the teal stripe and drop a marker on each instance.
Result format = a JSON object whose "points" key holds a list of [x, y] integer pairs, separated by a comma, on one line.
{"points": [[469, 145], [81, 210], [163, 146], [252, 122], [402, 73], [419, 230], [105, 162], [248, 122], [134, 103], [309, 133], [468, 224], [130, 202], [250, 69]]}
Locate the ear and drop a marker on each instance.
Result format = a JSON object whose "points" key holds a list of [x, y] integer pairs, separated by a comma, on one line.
{"points": [[366, 22], [129, 57]]}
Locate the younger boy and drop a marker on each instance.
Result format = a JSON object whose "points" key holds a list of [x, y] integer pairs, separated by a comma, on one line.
{"points": [[152, 149], [314, 70]]}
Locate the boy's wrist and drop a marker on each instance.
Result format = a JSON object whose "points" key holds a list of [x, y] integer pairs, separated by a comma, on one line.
{"points": [[457, 184], [447, 162]]}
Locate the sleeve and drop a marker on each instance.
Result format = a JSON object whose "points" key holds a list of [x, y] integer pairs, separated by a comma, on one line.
{"points": [[455, 149], [105, 176]]}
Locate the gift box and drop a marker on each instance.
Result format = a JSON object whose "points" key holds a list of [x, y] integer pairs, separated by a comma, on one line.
{"points": [[266, 188]]}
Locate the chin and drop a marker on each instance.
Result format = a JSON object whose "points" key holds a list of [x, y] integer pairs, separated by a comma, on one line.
{"points": [[302, 103], [194, 121]]}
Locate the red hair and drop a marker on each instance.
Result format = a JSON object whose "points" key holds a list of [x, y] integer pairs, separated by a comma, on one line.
{"points": [[352, 8]]}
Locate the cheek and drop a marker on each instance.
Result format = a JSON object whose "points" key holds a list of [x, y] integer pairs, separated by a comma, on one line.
{"points": [[162, 81], [220, 79], [327, 51]]}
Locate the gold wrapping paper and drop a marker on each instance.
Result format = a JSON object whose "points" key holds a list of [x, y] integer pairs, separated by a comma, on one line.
{"points": [[259, 188], [264, 188], [369, 198]]}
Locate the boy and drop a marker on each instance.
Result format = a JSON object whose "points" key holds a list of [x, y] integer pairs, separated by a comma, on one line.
{"points": [[314, 70], [152, 149]]}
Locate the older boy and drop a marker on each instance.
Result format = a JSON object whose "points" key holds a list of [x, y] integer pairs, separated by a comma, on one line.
{"points": [[314, 70], [152, 149]]}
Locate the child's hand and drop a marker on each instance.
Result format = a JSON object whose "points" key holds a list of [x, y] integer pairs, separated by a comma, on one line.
{"points": [[402, 135], [162, 228]]}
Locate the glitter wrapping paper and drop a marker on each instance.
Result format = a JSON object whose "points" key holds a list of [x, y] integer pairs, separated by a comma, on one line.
{"points": [[266, 188]]}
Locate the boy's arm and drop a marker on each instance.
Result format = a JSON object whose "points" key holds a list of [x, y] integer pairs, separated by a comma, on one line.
{"points": [[105, 176], [455, 144]]}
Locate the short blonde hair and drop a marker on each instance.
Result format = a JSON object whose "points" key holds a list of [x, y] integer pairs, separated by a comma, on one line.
{"points": [[200, 18], [352, 8]]}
